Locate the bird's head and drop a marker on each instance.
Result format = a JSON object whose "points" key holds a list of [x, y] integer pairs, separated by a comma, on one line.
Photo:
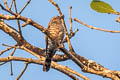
{"points": [[56, 20]]}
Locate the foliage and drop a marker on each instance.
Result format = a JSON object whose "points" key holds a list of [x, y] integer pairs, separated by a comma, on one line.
{"points": [[102, 7]]}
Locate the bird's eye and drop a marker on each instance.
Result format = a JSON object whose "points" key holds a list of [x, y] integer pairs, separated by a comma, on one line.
{"points": [[54, 18]]}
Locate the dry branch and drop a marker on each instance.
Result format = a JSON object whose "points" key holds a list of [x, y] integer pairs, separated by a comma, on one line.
{"points": [[11, 5], [91, 27], [70, 19], [118, 19], [9, 48], [54, 65], [26, 65], [18, 22], [15, 35], [5, 3], [11, 68], [95, 68], [24, 7]]}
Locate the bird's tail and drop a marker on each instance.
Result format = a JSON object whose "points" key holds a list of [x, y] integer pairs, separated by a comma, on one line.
{"points": [[47, 64]]}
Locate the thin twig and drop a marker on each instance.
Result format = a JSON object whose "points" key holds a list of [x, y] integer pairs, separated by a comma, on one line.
{"points": [[118, 19], [26, 65], [91, 27], [11, 69], [2, 63], [70, 19], [18, 22], [11, 5], [9, 48], [5, 3], [26, 23], [9, 45], [13, 51], [6, 45], [7, 10], [70, 35], [15, 5], [24, 7]]}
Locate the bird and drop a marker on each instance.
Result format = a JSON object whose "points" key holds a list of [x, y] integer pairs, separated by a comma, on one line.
{"points": [[56, 32]]}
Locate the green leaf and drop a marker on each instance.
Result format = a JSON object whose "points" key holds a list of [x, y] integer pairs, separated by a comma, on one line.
{"points": [[102, 7], [96, 0]]}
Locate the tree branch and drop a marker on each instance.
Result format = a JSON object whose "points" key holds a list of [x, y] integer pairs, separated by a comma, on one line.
{"points": [[95, 68], [91, 27], [24, 7], [69, 72], [26, 65], [5, 3], [70, 19]]}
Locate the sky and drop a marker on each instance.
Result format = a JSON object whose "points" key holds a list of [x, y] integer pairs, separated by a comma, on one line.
{"points": [[102, 47]]}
